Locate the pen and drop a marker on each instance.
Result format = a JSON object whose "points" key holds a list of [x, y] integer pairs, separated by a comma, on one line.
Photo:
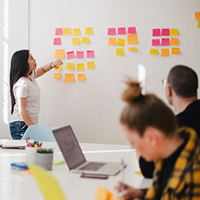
{"points": [[122, 171]]}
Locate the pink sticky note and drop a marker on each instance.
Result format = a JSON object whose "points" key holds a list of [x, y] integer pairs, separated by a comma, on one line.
{"points": [[70, 55], [57, 41], [131, 30], [111, 31], [59, 31], [165, 32], [156, 32], [122, 31], [79, 54], [165, 41], [90, 54], [155, 42]]}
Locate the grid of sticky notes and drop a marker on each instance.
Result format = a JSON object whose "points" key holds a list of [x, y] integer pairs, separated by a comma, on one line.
{"points": [[197, 17], [120, 36], [165, 39], [73, 57]]}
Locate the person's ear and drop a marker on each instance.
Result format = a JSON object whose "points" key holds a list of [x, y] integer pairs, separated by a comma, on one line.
{"points": [[169, 91], [151, 136]]}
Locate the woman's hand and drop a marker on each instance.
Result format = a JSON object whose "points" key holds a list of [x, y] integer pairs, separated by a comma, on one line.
{"points": [[56, 63]]}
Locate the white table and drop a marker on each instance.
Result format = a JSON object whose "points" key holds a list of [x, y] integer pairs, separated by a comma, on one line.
{"points": [[18, 186]]}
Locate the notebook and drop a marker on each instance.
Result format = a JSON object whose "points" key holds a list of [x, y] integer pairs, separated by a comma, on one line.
{"points": [[76, 160]]}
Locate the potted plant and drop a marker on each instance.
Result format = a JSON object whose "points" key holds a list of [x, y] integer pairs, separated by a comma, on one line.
{"points": [[44, 158]]}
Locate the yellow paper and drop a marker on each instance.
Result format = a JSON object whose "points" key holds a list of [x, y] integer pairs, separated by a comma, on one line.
{"points": [[70, 66], [80, 67], [76, 31], [197, 15], [112, 41], [85, 40], [121, 42], [176, 51], [81, 77], [66, 31], [174, 41], [88, 31], [57, 76], [103, 194], [139, 173], [164, 52], [119, 52], [75, 41], [198, 24], [47, 183], [90, 65], [59, 68], [69, 78], [59, 53], [153, 51], [173, 31], [133, 49], [132, 39]]}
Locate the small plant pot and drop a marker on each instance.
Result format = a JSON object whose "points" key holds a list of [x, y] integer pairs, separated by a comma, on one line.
{"points": [[44, 160]]}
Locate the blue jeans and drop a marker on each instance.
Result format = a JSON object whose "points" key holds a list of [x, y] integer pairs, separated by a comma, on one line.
{"points": [[17, 129]]}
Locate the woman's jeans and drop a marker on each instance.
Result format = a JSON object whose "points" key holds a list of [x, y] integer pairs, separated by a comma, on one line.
{"points": [[17, 129]]}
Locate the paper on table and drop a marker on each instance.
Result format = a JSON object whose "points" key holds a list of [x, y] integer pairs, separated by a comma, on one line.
{"points": [[75, 41], [111, 31], [57, 76], [90, 65], [80, 67], [66, 31], [121, 42], [88, 31], [165, 42], [69, 78], [164, 52], [176, 51], [59, 53], [70, 55], [112, 41], [81, 77], [103, 193], [132, 48], [165, 32], [90, 54], [174, 41], [122, 31], [132, 39], [197, 15], [70, 66], [156, 32], [153, 51], [79, 54], [131, 30], [59, 31], [57, 41], [119, 52], [59, 68], [85, 40], [156, 42], [76, 31], [173, 31]]}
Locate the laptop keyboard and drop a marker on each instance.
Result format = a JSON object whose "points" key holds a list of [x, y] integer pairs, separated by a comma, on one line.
{"points": [[93, 166]]}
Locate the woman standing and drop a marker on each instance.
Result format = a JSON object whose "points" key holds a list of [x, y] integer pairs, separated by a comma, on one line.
{"points": [[24, 91]]}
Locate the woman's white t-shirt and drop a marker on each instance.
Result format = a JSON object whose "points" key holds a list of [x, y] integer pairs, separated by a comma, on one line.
{"points": [[25, 88]]}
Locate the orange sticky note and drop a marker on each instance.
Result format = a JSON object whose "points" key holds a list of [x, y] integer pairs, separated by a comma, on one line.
{"points": [[174, 41], [81, 77], [176, 51], [103, 194], [57, 76], [90, 65], [132, 39], [66, 31], [59, 53], [76, 31], [26, 171], [197, 15], [153, 51], [164, 52], [69, 78], [112, 41]]}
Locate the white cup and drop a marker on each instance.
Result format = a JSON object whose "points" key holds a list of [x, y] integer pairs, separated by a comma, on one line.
{"points": [[30, 154]]}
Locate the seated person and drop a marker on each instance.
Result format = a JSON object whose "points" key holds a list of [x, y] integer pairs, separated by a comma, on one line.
{"points": [[176, 152]]}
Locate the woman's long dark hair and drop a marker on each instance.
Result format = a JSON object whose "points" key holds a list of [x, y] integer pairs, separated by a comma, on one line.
{"points": [[19, 67]]}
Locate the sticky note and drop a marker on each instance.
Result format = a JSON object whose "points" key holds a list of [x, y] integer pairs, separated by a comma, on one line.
{"points": [[165, 41], [164, 52], [103, 193], [70, 66], [156, 32], [112, 41], [90, 54], [69, 78], [75, 41], [57, 41], [76, 31], [174, 41], [80, 67], [133, 49], [59, 31], [90, 65], [121, 31], [88, 31], [81, 77], [175, 51], [59, 53], [57, 76], [85, 40], [173, 31], [155, 42], [198, 24], [138, 172], [70, 55], [59, 68], [165, 32], [79, 54], [153, 51], [119, 52], [132, 39], [121, 42], [66, 31], [131, 30], [197, 15], [111, 31]]}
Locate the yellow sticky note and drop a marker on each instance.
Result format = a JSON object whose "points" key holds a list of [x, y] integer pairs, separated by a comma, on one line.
{"points": [[164, 52], [133, 49], [85, 40], [47, 183], [138, 172], [59, 53], [174, 41], [81, 77], [153, 51], [198, 24], [112, 41], [76, 31], [75, 41], [119, 52], [121, 42], [59, 68], [90, 65], [57, 76], [176, 51], [173, 31], [69, 78], [66, 31], [132, 39], [80, 67], [88, 31], [70, 66], [197, 15], [103, 194]]}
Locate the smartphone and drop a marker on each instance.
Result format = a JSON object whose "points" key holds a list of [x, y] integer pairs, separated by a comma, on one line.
{"points": [[98, 176]]}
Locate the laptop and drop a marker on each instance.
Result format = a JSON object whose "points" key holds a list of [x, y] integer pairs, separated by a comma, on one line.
{"points": [[76, 160]]}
